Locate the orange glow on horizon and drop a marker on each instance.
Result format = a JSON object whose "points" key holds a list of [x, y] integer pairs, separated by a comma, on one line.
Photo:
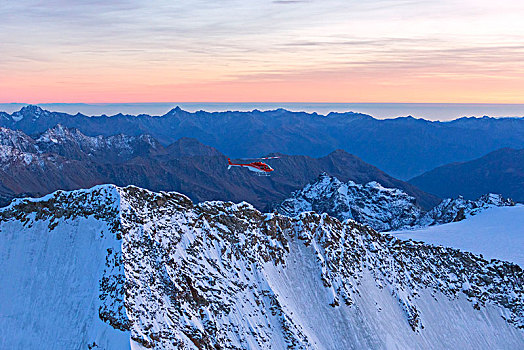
{"points": [[275, 51], [367, 88]]}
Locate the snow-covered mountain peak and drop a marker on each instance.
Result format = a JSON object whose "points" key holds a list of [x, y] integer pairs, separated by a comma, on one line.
{"points": [[174, 111], [74, 144], [59, 133], [384, 209], [15, 139], [101, 265], [372, 204], [324, 184], [31, 112]]}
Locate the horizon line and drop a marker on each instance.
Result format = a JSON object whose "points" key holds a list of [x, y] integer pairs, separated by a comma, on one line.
{"points": [[263, 102], [407, 116]]}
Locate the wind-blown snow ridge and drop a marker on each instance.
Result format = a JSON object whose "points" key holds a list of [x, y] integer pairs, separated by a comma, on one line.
{"points": [[219, 274]]}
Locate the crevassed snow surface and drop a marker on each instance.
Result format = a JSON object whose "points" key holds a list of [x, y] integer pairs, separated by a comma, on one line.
{"points": [[496, 233]]}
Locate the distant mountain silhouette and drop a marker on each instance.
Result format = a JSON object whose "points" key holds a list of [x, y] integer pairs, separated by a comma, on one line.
{"points": [[501, 171], [63, 158], [403, 147]]}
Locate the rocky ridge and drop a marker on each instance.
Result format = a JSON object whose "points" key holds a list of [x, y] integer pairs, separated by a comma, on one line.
{"points": [[457, 209], [383, 209], [224, 275]]}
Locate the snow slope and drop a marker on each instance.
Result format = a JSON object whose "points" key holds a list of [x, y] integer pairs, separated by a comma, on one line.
{"points": [[51, 266], [496, 233], [118, 266]]}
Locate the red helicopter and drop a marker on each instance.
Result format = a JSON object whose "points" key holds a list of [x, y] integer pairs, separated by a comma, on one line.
{"points": [[259, 168]]}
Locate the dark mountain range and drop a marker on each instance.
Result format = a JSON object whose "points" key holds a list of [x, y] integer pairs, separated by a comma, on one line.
{"points": [[403, 147], [501, 171], [62, 158]]}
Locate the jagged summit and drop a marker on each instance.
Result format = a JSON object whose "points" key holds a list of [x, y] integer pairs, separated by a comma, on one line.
{"points": [[174, 111], [34, 109], [381, 208], [73, 136], [31, 112], [15, 139], [168, 274]]}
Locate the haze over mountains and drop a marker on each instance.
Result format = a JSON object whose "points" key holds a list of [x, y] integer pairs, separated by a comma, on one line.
{"points": [[402, 147], [62, 158]]}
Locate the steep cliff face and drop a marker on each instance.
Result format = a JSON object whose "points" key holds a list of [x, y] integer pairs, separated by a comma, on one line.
{"points": [[109, 263], [61, 272]]}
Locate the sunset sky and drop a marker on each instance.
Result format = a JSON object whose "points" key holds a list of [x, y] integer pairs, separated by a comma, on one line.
{"points": [[254, 50]]}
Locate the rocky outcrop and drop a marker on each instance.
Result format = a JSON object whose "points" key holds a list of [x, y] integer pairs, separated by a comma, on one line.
{"points": [[383, 209], [457, 209]]}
